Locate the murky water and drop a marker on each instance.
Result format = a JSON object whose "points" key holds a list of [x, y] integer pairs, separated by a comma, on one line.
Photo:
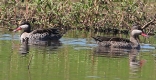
{"points": [[74, 59]]}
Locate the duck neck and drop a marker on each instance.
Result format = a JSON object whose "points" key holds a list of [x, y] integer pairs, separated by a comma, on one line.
{"points": [[135, 41], [28, 30]]}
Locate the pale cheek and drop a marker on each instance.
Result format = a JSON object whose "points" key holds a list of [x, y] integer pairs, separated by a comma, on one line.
{"points": [[24, 26]]}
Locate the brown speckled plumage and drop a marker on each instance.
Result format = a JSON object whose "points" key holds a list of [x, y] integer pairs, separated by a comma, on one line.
{"points": [[116, 42]]}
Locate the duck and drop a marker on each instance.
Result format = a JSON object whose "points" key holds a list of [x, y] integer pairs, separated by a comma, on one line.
{"points": [[38, 34], [117, 42]]}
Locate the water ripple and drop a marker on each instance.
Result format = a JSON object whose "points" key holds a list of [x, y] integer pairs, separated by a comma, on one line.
{"points": [[147, 46], [9, 37], [80, 43]]}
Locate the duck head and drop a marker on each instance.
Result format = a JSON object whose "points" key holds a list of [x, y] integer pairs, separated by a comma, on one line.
{"points": [[135, 33], [136, 30], [24, 26]]}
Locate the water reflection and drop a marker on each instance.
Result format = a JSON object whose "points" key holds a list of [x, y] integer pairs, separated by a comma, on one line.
{"points": [[135, 63], [24, 47], [109, 52], [39, 45]]}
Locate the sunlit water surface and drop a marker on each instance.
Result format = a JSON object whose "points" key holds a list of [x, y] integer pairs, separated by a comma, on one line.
{"points": [[73, 59]]}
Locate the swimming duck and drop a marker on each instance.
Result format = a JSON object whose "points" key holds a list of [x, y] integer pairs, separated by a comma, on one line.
{"points": [[117, 42], [38, 34]]}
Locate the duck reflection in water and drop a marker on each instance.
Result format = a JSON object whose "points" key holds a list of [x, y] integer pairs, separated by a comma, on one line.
{"points": [[39, 45], [135, 63], [24, 48], [110, 52]]}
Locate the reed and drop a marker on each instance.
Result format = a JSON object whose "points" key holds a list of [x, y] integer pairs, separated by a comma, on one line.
{"points": [[88, 14]]}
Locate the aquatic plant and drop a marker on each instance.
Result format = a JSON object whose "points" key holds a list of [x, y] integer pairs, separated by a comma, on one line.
{"points": [[86, 15]]}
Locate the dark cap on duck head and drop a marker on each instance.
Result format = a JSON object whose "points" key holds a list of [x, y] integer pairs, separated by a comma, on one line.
{"points": [[136, 26], [25, 22]]}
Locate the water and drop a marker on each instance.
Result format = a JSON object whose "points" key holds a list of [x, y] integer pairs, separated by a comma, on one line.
{"points": [[74, 59]]}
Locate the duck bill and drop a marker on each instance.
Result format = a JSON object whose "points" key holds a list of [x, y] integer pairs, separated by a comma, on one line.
{"points": [[143, 34], [19, 28]]}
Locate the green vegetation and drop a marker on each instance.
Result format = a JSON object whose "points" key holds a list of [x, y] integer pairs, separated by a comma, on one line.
{"points": [[77, 14]]}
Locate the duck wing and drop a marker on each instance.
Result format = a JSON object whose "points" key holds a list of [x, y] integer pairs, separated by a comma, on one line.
{"points": [[115, 42], [49, 30], [45, 34], [117, 39]]}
